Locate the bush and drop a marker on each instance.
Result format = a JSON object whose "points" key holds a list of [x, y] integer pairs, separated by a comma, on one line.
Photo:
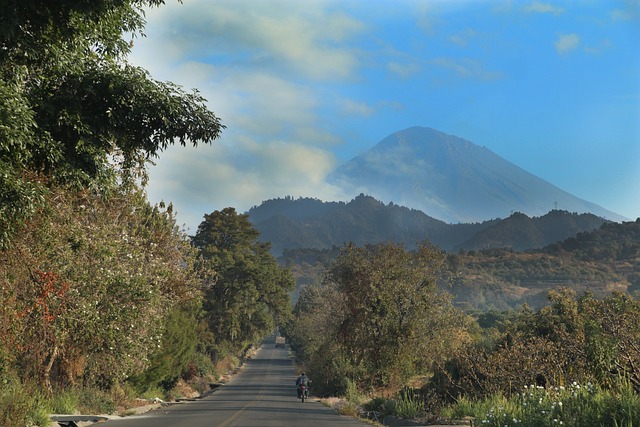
{"points": [[351, 393], [349, 410], [408, 405]]}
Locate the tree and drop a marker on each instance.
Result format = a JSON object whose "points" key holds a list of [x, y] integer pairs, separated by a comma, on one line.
{"points": [[318, 314], [390, 320], [87, 286], [72, 111], [249, 293]]}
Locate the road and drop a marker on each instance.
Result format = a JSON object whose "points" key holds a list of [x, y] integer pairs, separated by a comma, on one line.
{"points": [[262, 394]]}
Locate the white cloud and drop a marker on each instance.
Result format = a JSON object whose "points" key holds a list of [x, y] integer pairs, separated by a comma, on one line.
{"points": [[240, 174], [257, 67], [567, 42], [354, 108], [298, 37], [629, 11], [539, 7], [467, 68], [462, 39], [404, 70]]}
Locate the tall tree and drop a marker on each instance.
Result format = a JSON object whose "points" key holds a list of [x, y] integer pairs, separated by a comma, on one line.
{"points": [[393, 322], [249, 294], [89, 269], [72, 110]]}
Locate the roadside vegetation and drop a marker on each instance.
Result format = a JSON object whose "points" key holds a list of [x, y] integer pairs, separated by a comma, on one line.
{"points": [[574, 362], [104, 298]]}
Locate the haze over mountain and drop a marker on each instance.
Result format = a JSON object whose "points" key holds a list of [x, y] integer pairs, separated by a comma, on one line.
{"points": [[452, 179]]}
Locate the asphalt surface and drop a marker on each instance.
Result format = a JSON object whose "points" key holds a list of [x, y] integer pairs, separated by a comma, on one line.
{"points": [[262, 394]]}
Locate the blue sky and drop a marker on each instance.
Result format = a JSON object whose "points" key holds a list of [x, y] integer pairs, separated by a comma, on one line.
{"points": [[302, 86]]}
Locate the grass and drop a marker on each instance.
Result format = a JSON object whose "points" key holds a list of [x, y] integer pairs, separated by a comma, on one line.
{"points": [[571, 406], [22, 405]]}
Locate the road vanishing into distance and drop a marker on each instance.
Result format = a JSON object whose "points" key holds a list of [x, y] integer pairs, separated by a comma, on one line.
{"points": [[262, 394]]}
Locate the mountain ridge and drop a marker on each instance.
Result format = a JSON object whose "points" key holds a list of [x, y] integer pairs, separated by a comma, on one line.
{"points": [[310, 223]]}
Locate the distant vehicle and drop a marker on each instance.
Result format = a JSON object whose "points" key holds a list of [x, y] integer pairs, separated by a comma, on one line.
{"points": [[280, 342]]}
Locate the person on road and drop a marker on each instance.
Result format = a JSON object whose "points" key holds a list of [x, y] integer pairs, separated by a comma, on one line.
{"points": [[302, 380]]}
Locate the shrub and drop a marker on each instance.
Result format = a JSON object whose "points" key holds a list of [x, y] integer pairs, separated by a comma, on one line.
{"points": [[349, 409], [408, 405], [65, 402]]}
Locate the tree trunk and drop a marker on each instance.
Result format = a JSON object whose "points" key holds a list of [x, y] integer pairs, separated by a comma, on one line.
{"points": [[46, 373]]}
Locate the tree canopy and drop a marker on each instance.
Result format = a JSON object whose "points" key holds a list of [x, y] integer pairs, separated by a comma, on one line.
{"points": [[92, 275], [387, 319], [73, 111]]}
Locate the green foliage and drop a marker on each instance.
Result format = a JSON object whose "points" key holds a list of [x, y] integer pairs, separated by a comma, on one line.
{"points": [[248, 292], [84, 297], [351, 393], [95, 282], [408, 405], [71, 109], [394, 313], [584, 340], [377, 320], [381, 405], [176, 352]]}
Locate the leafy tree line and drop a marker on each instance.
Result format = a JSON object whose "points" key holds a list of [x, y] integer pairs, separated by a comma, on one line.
{"points": [[310, 223], [580, 340], [599, 262], [101, 290], [377, 326]]}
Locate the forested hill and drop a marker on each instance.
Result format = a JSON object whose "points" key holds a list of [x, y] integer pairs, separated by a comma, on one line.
{"points": [[611, 242], [600, 261], [310, 223]]}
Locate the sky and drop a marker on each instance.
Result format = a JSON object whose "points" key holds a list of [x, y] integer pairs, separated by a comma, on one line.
{"points": [[303, 86]]}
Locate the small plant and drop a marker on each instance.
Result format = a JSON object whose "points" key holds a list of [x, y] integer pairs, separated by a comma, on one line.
{"points": [[408, 405], [351, 392], [65, 402], [94, 400], [349, 409]]}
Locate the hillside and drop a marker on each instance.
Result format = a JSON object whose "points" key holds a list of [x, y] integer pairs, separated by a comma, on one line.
{"points": [[600, 262], [452, 179], [309, 223], [519, 232]]}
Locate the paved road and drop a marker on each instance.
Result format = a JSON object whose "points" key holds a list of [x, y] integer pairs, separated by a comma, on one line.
{"points": [[262, 394]]}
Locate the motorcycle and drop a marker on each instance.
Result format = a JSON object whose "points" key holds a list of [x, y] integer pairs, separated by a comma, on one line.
{"points": [[303, 392]]}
